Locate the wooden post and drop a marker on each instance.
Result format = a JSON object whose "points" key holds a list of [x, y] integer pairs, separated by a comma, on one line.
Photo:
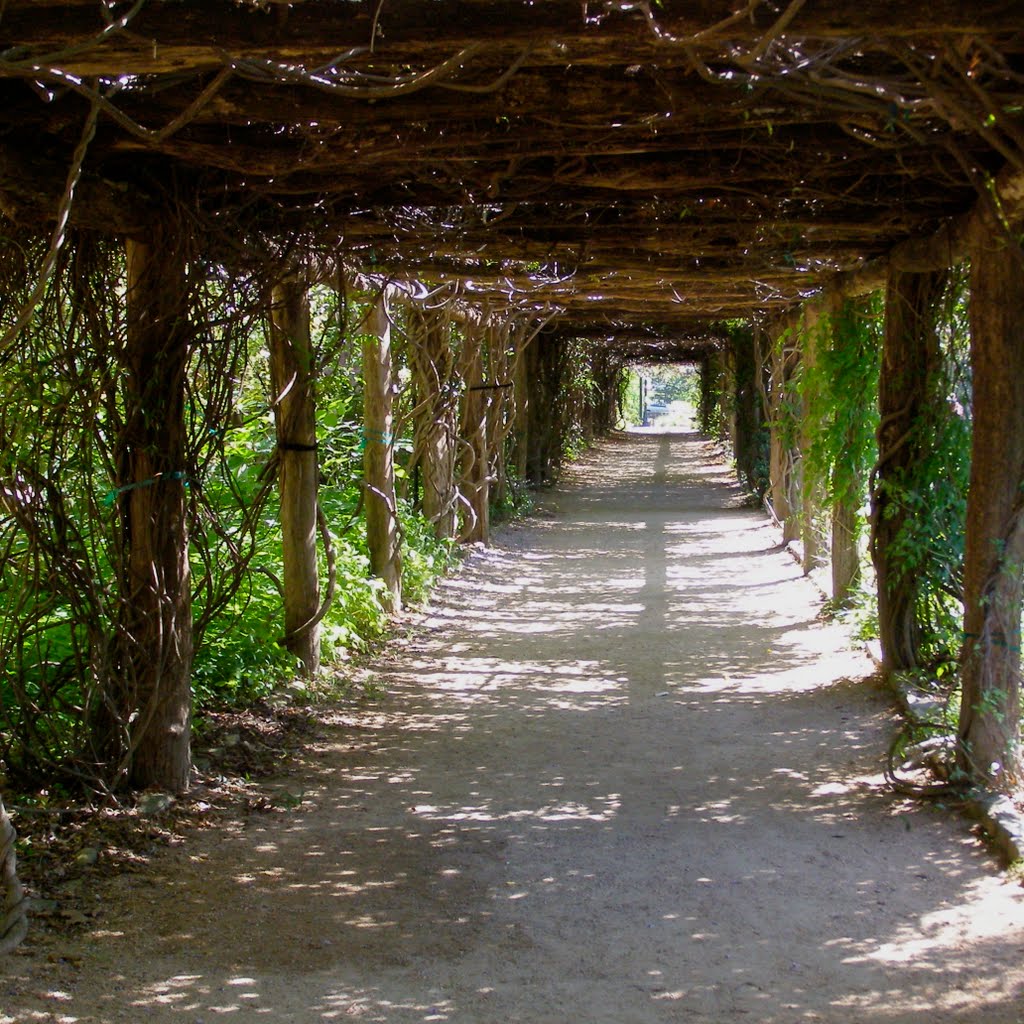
{"points": [[747, 402], [292, 377], [155, 635], [781, 468], [523, 384], [475, 477], [545, 363], [499, 367], [910, 358], [845, 557], [382, 531], [811, 487], [436, 418], [989, 743]]}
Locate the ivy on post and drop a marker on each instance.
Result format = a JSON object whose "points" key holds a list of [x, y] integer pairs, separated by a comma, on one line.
{"points": [[475, 475], [499, 362], [747, 433], [382, 530], [910, 361], [436, 415], [148, 720], [783, 473], [852, 368], [292, 375], [989, 743], [525, 347], [813, 336]]}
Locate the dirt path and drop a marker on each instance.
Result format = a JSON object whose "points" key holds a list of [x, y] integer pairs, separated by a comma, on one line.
{"points": [[623, 777]]}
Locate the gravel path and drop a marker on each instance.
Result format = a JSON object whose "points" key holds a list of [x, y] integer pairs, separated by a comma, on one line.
{"points": [[623, 776]]}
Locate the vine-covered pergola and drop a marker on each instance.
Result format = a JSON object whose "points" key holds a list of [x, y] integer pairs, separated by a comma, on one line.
{"points": [[643, 176]]}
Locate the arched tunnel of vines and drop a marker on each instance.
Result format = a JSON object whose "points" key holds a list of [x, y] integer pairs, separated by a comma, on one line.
{"points": [[511, 511]]}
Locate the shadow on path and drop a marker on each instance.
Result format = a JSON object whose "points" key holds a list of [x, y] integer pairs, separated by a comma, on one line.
{"points": [[623, 775]]}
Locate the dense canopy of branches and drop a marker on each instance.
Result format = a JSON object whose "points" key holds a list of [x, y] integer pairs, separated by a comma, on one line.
{"points": [[641, 169]]}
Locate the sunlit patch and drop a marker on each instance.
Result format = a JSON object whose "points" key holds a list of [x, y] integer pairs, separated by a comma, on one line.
{"points": [[602, 809]]}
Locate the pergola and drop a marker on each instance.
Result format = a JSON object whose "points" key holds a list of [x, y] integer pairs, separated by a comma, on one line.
{"points": [[631, 166], [635, 173]]}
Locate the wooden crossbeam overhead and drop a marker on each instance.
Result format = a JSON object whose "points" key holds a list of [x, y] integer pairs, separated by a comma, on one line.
{"points": [[622, 164]]}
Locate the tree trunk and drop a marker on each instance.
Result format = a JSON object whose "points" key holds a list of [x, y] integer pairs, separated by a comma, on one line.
{"points": [[989, 747], [747, 439], [844, 555], [436, 421], [812, 489], [475, 478], [523, 398], [155, 633], [292, 381], [498, 406], [846, 502], [382, 532], [910, 357], [782, 473], [13, 905], [543, 371]]}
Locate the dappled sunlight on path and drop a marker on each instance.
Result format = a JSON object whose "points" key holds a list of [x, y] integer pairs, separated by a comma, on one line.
{"points": [[624, 775]]}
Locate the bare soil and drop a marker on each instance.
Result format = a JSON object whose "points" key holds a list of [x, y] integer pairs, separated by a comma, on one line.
{"points": [[623, 773]]}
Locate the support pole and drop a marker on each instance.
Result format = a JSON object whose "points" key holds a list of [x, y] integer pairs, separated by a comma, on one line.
{"points": [[155, 635], [846, 502], [989, 744], [475, 486], [747, 402], [910, 359], [781, 458], [436, 419], [292, 379], [811, 487], [382, 530]]}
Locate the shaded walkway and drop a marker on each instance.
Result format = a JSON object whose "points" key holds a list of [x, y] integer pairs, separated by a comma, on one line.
{"points": [[623, 776]]}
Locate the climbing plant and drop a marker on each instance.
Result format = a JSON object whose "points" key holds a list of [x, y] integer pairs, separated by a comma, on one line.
{"points": [[840, 388], [62, 420], [932, 492]]}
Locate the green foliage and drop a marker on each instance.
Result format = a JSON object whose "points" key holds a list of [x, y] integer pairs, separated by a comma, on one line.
{"points": [[930, 546], [425, 558], [629, 397], [839, 392], [61, 524], [517, 501]]}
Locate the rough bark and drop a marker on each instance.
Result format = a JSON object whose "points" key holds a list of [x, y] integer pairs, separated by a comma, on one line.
{"points": [[989, 747], [543, 371], [844, 555], [436, 419], [812, 488], [475, 472], [782, 471], [747, 441], [910, 357], [292, 377], [13, 904], [155, 634], [382, 531], [498, 425], [523, 400]]}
